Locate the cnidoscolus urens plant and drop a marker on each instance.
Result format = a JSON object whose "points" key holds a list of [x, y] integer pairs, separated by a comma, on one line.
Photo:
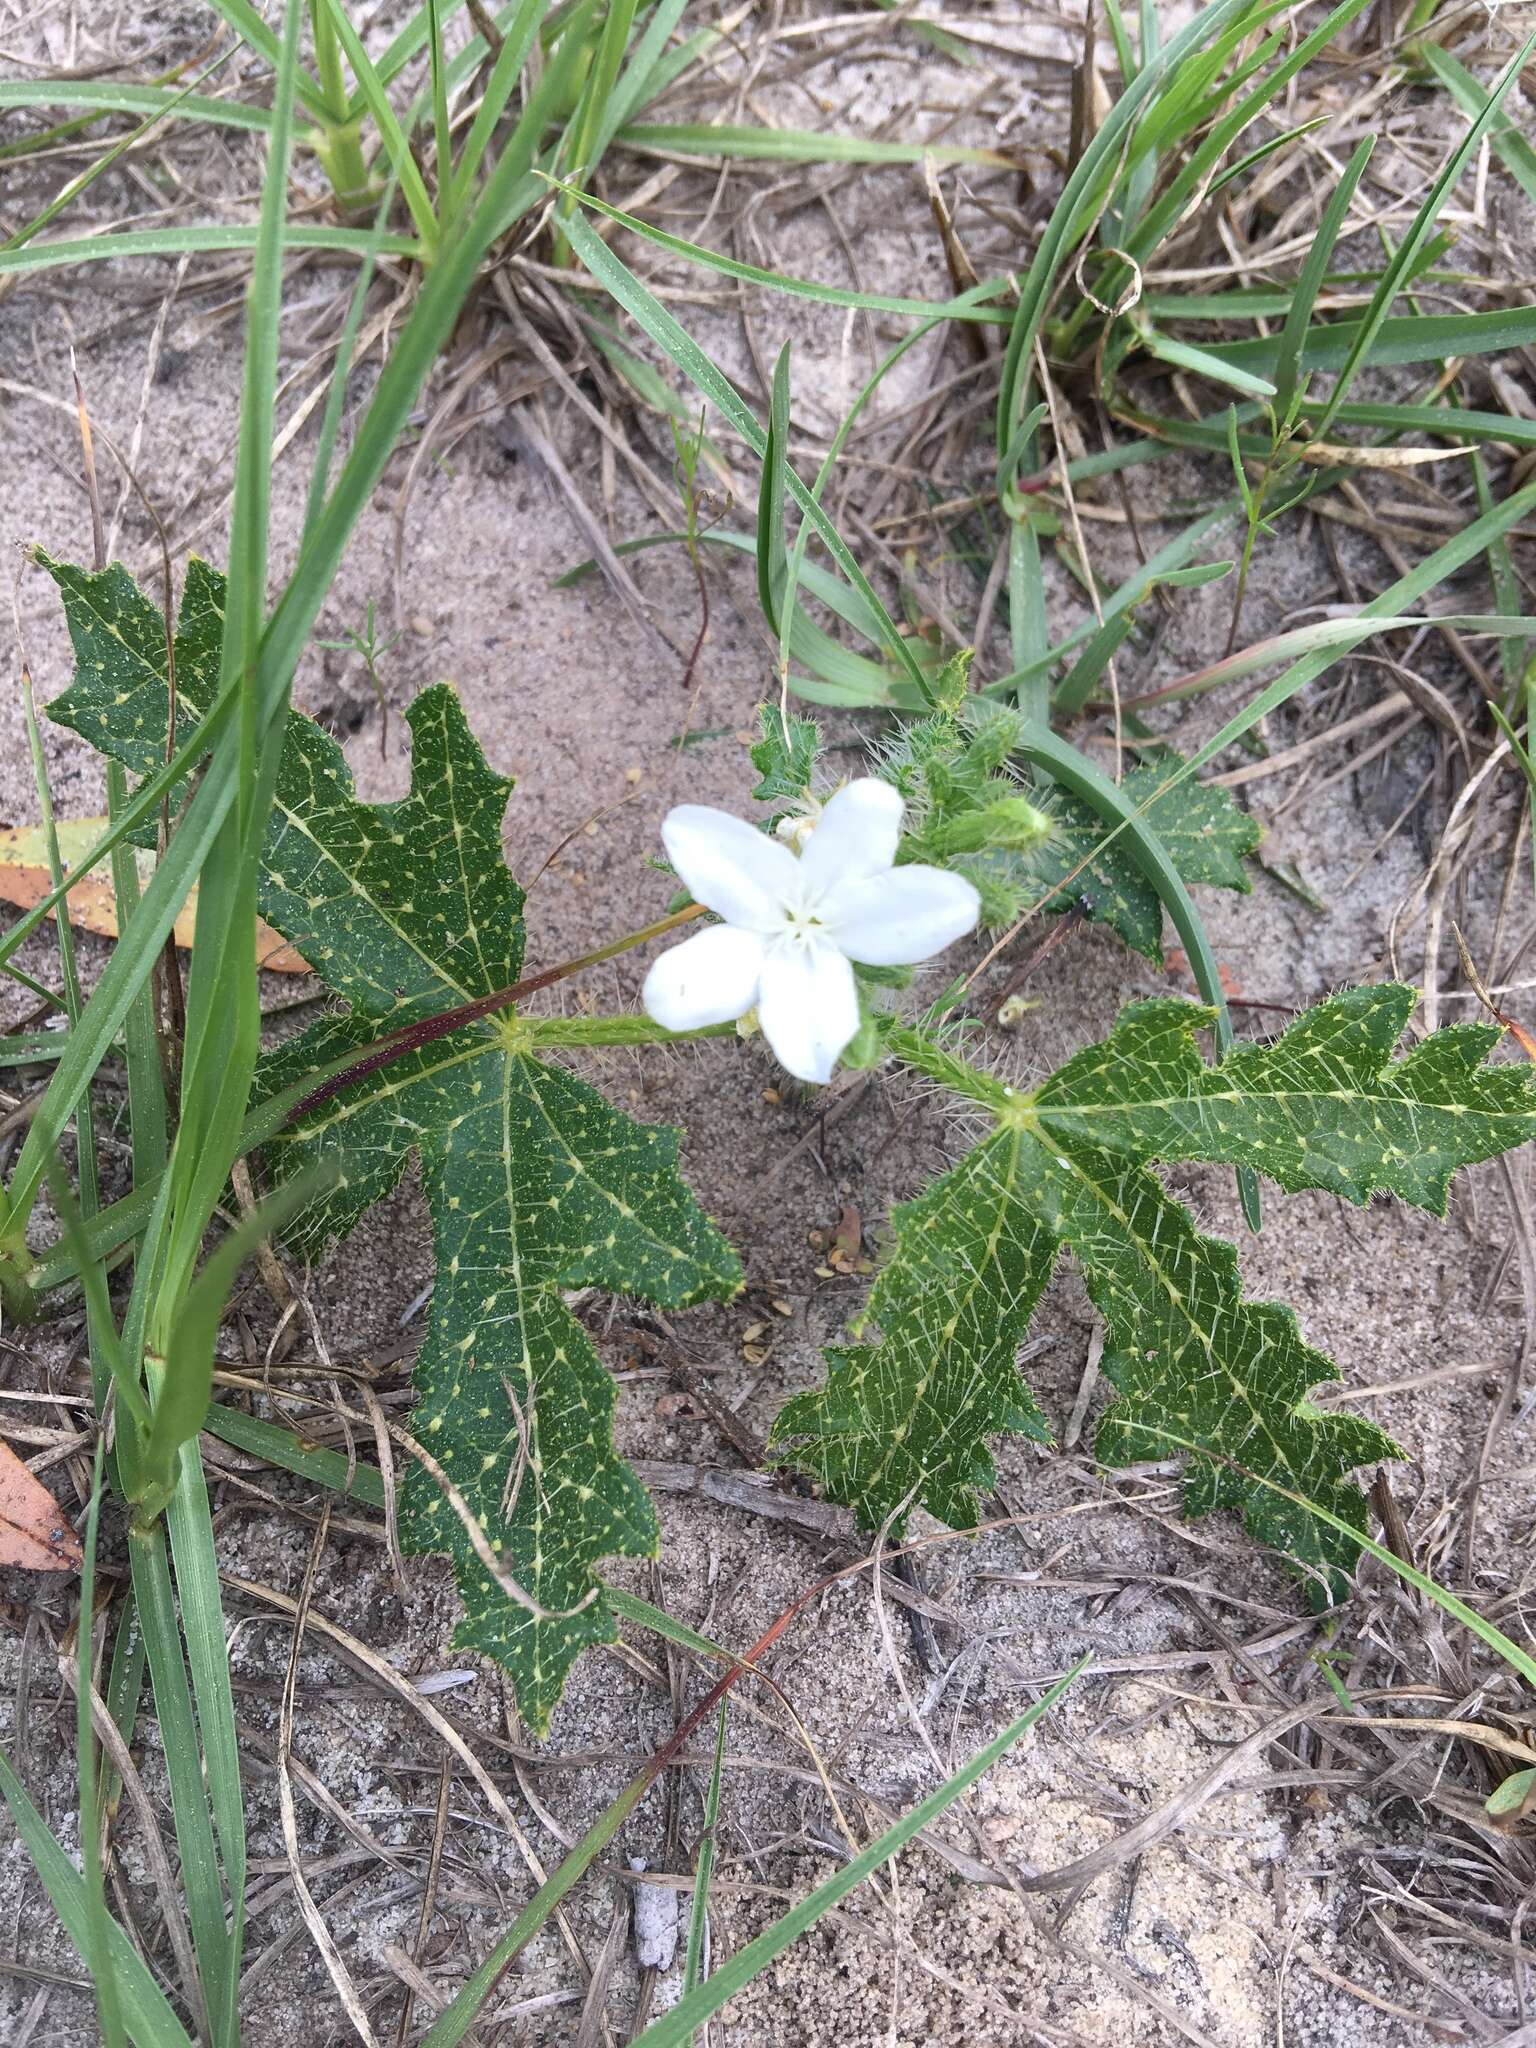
{"points": [[536, 1185]]}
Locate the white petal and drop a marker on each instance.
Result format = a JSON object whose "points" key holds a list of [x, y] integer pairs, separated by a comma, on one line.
{"points": [[730, 868], [808, 1007], [708, 979], [902, 917], [856, 835]]}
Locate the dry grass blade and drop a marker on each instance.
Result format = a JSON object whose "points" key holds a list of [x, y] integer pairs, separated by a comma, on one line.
{"points": [[314, 1919], [152, 1843], [428, 1898], [384, 1674], [1176, 1812], [593, 2022]]}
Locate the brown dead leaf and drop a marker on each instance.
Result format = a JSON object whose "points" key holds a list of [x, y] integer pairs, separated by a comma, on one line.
{"points": [[849, 1235], [92, 906], [33, 1532], [1516, 1030]]}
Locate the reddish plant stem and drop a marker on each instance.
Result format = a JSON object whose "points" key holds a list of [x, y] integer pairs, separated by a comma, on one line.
{"points": [[426, 1030]]}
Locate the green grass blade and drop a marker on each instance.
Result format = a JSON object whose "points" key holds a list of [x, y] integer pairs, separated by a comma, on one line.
{"points": [[125, 1686], [1469, 425], [397, 149], [796, 146], [1028, 628], [1507, 141], [581, 146], [499, 88], [1298, 316], [146, 1073], [669, 336], [280, 1447], [109, 96], [1081, 680], [182, 1752], [190, 1521], [147, 2013], [644, 1615], [1231, 173], [99, 1956], [647, 73], [1396, 273], [704, 1869], [442, 133], [969, 306], [210, 238], [336, 395], [773, 593], [1181, 355]]}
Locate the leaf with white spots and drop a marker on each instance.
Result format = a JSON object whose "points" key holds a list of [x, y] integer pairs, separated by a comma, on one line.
{"points": [[393, 910], [908, 1418], [1206, 834], [534, 1182], [1195, 1367], [1324, 1105]]}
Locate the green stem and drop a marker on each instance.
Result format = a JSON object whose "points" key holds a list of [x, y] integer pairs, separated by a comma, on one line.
{"points": [[1066, 765], [337, 135]]}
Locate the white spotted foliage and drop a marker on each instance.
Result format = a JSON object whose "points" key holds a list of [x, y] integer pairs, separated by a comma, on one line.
{"points": [[1194, 1366], [535, 1184]]}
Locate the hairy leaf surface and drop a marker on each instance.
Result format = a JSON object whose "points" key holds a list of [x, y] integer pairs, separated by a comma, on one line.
{"points": [[1207, 836], [534, 1182], [1195, 1366], [911, 1414]]}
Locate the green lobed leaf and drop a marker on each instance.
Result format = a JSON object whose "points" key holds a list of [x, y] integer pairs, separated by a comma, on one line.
{"points": [[535, 1184], [785, 755], [1207, 835], [910, 1415], [1067, 1166], [1323, 1106]]}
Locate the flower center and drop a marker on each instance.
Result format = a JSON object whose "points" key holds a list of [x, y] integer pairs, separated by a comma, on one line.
{"points": [[804, 917], [801, 926]]}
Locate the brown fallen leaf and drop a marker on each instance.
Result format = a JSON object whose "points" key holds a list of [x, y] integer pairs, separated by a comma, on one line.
{"points": [[33, 1531], [92, 905], [1516, 1030]]}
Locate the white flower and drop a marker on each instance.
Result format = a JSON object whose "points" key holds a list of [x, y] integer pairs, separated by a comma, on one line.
{"points": [[792, 926]]}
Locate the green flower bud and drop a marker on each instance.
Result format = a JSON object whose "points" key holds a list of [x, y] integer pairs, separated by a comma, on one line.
{"points": [[1011, 822]]}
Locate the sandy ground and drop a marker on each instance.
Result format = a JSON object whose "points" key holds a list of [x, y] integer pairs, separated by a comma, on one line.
{"points": [[1297, 1906]]}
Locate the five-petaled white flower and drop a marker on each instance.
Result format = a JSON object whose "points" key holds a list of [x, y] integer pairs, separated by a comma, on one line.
{"points": [[792, 926]]}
